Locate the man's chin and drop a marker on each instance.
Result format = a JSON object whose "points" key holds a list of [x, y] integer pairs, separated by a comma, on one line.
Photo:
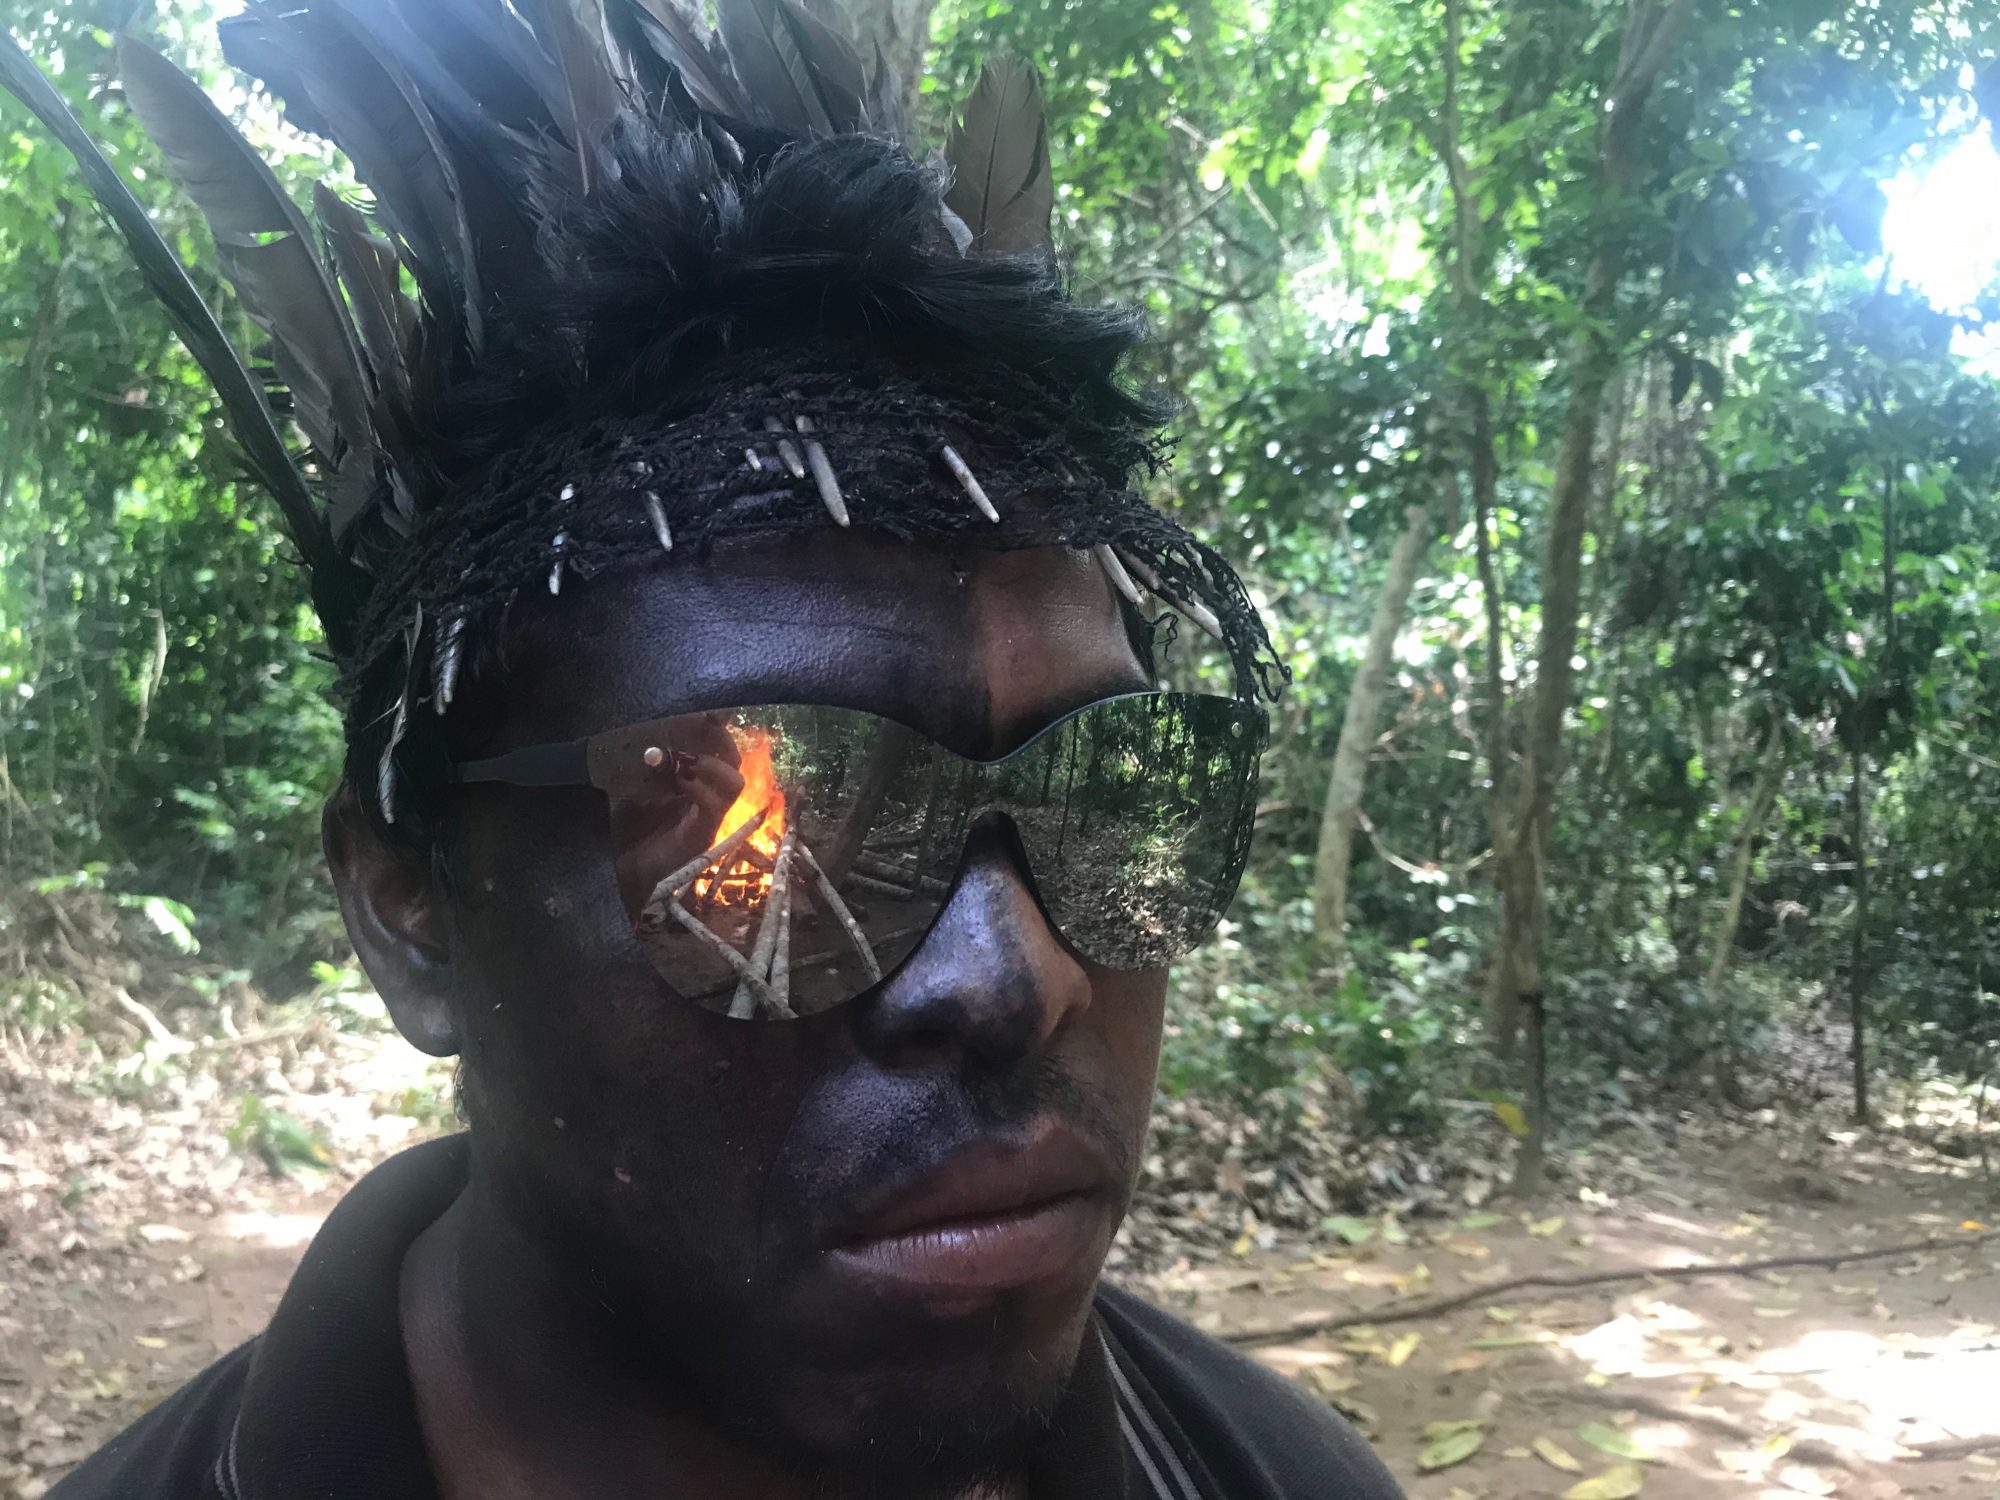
{"points": [[911, 1440], [933, 1422]]}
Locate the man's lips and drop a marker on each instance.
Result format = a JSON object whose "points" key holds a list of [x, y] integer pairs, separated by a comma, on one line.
{"points": [[993, 1216]]}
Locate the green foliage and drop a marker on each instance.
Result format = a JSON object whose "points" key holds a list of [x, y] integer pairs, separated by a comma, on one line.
{"points": [[162, 700], [275, 1138]]}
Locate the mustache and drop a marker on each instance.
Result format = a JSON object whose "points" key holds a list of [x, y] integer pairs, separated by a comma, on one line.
{"points": [[910, 1123]]}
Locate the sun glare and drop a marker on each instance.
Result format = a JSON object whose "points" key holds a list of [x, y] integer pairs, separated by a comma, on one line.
{"points": [[1942, 229]]}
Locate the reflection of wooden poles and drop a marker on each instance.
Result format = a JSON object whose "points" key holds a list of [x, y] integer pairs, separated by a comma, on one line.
{"points": [[842, 914], [781, 961], [730, 956], [655, 910], [874, 885], [892, 748], [904, 877], [777, 919], [764, 979]]}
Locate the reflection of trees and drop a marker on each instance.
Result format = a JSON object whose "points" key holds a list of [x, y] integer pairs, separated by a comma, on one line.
{"points": [[886, 761]]}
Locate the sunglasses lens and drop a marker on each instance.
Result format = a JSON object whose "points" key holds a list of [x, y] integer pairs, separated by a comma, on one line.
{"points": [[1136, 816], [779, 861], [761, 853]]}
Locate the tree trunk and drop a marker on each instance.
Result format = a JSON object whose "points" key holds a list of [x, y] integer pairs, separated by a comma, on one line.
{"points": [[903, 28], [1857, 967], [1534, 1149], [1359, 727], [1515, 983], [889, 756], [1723, 1052]]}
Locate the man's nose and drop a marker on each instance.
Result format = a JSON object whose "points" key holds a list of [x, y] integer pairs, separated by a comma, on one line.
{"points": [[989, 985]]}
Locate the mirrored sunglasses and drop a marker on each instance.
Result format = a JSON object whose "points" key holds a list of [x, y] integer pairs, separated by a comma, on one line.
{"points": [[777, 861]]}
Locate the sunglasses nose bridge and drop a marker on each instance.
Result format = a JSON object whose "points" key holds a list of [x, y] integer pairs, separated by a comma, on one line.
{"points": [[990, 983]]}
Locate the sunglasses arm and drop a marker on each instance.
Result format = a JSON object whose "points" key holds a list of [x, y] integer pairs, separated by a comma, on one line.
{"points": [[566, 764]]}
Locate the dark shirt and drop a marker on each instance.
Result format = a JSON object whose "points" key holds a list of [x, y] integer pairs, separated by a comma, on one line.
{"points": [[319, 1406]]}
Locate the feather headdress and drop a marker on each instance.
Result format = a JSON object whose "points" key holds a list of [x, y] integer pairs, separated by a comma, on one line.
{"points": [[618, 260]]}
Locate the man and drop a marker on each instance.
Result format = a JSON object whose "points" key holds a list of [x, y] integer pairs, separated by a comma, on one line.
{"points": [[756, 778]]}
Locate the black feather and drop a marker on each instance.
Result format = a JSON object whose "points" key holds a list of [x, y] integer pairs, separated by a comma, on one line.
{"points": [[685, 43], [361, 98], [369, 269], [886, 114], [242, 397], [265, 247], [799, 74], [1002, 183], [575, 34]]}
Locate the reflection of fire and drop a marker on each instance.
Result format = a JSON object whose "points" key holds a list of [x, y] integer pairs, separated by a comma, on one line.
{"points": [[746, 878]]}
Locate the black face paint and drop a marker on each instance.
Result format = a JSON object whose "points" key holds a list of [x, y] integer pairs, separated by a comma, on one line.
{"points": [[777, 861]]}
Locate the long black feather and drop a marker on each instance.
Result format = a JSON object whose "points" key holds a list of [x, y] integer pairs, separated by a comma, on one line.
{"points": [[886, 114], [265, 247], [361, 98], [575, 31], [242, 399], [496, 98], [799, 74], [368, 269], [683, 41], [1002, 184]]}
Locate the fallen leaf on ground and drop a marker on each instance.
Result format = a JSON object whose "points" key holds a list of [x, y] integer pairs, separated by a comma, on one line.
{"points": [[1455, 1447], [1329, 1381], [1508, 1341], [1351, 1230], [1617, 1444], [1620, 1483], [1556, 1456], [1400, 1351]]}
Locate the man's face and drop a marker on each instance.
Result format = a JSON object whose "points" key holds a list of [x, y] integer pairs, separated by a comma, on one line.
{"points": [[872, 1234]]}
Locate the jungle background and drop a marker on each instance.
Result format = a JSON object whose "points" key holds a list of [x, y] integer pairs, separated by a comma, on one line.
{"points": [[1624, 897]]}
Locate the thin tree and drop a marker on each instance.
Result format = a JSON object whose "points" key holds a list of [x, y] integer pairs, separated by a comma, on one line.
{"points": [[1653, 32], [1359, 727]]}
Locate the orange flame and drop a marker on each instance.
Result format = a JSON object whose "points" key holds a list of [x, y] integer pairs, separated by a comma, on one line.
{"points": [[743, 883]]}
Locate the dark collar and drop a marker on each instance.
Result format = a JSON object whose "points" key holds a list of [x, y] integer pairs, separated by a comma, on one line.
{"points": [[328, 1412]]}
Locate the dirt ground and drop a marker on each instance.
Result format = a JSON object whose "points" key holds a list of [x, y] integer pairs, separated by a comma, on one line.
{"points": [[137, 1244]]}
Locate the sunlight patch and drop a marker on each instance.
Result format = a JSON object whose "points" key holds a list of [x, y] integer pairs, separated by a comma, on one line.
{"points": [[1942, 228]]}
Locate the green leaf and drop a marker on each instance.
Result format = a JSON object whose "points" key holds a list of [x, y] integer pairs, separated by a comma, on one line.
{"points": [[1458, 1444], [1351, 1230], [1620, 1483], [1619, 1445]]}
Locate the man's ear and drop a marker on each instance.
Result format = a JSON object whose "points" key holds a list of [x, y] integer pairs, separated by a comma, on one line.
{"points": [[395, 918]]}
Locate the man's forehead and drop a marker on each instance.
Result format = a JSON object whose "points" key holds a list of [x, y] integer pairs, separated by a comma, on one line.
{"points": [[977, 649]]}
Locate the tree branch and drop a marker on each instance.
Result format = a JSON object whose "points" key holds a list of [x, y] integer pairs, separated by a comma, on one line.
{"points": [[1434, 1307]]}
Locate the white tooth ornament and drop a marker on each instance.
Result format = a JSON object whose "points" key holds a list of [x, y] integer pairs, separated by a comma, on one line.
{"points": [[1120, 579], [657, 514], [1196, 612], [969, 482], [449, 652], [788, 451]]}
